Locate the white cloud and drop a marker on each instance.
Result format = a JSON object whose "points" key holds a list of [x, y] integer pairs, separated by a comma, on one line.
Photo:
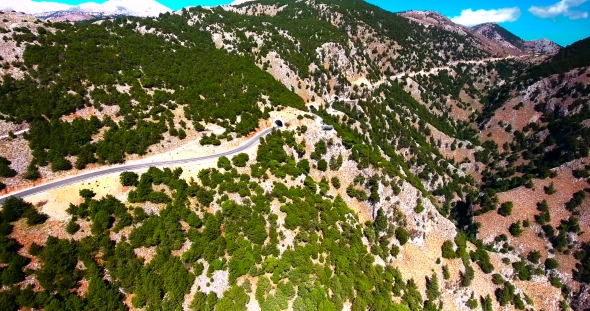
{"points": [[238, 2], [470, 18], [563, 7], [132, 7], [31, 7]]}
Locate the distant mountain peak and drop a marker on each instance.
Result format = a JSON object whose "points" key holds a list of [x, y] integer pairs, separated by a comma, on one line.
{"points": [[504, 37], [143, 8], [499, 34]]}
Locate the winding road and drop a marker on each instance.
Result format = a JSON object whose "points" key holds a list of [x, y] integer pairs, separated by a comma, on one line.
{"points": [[132, 167]]}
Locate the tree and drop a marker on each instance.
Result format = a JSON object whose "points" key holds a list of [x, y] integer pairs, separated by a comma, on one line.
{"points": [[550, 189], [72, 226], [335, 182], [5, 169], [336, 163], [60, 164], [505, 295], [468, 276], [380, 221], [486, 303], [87, 194], [515, 229], [224, 163], [551, 263], [32, 172], [14, 208], [534, 257], [506, 209], [34, 217], [322, 165], [240, 160], [448, 250], [129, 179], [402, 235], [432, 289]]}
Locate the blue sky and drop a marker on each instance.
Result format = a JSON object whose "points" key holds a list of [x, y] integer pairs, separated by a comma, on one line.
{"points": [[563, 21]]}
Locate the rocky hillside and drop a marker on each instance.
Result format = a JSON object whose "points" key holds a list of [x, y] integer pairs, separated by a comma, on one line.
{"points": [[419, 195], [489, 36], [505, 38]]}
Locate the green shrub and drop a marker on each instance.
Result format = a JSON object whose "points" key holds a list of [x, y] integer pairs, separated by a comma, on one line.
{"points": [[240, 160], [224, 163], [506, 209], [497, 279], [129, 179], [551, 263], [515, 229], [550, 190], [448, 250], [322, 165], [87, 194], [335, 182], [402, 235], [5, 169]]}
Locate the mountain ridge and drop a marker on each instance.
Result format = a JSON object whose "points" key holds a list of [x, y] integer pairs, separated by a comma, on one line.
{"points": [[494, 37], [141, 8], [501, 35]]}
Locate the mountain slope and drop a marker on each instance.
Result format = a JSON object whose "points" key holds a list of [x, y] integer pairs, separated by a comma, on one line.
{"points": [[499, 34], [505, 38], [571, 57]]}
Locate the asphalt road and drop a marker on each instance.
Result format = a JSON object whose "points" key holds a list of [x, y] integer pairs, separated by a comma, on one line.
{"points": [[132, 167]]}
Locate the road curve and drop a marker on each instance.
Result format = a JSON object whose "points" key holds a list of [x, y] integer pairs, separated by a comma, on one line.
{"points": [[132, 167]]}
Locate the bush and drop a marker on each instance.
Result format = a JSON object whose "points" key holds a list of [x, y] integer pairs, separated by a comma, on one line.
{"points": [[60, 164], [551, 263], [515, 229], [497, 279], [335, 182], [87, 194], [576, 201], [506, 209], [14, 208], [322, 165], [72, 226], [32, 172], [129, 179], [550, 189], [534, 257], [446, 273], [224, 163], [448, 250], [402, 235], [468, 276], [419, 207], [35, 218], [5, 169], [240, 160]]}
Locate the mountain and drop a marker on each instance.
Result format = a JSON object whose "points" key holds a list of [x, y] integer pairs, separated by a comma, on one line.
{"points": [[499, 34], [404, 163], [489, 36], [571, 57], [49, 10], [507, 39]]}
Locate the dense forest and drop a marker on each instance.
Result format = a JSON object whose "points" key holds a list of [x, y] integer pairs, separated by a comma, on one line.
{"points": [[85, 64], [322, 273]]}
